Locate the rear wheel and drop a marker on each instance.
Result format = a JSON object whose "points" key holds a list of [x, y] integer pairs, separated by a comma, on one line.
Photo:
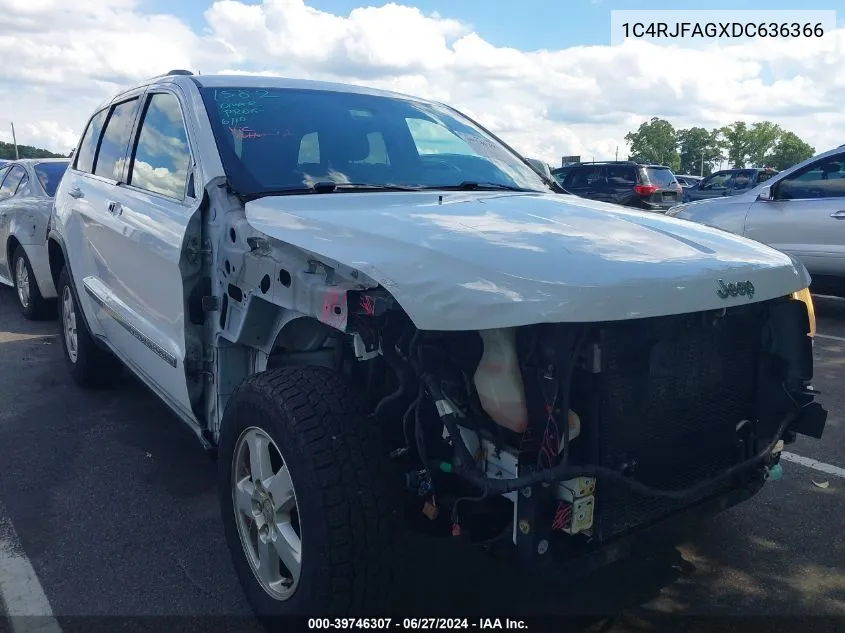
{"points": [[89, 364], [33, 305], [311, 516]]}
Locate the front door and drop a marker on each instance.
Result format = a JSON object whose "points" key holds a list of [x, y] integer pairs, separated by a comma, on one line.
{"points": [[714, 186], [806, 217], [149, 216]]}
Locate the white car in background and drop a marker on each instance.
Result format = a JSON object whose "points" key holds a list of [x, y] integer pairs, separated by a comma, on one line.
{"points": [[27, 188]]}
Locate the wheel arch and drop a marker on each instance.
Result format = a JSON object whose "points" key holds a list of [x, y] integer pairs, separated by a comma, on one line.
{"points": [[11, 246]]}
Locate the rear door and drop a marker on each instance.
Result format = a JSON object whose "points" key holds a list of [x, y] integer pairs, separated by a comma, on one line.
{"points": [[97, 232], [620, 184], [586, 181], [806, 216], [148, 220], [8, 190], [742, 181]]}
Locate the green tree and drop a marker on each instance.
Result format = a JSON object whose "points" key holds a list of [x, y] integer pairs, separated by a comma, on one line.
{"points": [[736, 143], [762, 138], [695, 143], [790, 150], [7, 152], [655, 142]]}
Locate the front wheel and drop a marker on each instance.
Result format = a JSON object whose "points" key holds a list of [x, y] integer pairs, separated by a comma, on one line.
{"points": [[309, 508]]}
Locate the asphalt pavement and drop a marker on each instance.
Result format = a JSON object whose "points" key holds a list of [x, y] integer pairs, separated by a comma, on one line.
{"points": [[114, 505]]}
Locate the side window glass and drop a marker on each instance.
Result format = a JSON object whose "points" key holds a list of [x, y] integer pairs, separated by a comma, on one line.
{"points": [[621, 176], [585, 177], [110, 158], [742, 180], [825, 179], [10, 184], [162, 159], [764, 176], [309, 149], [378, 150], [433, 138], [3, 172], [717, 182], [88, 146]]}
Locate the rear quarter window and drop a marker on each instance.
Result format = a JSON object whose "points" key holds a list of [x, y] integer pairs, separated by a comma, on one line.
{"points": [[622, 176], [660, 177], [583, 177]]}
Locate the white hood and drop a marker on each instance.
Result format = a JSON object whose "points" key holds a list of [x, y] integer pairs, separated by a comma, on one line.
{"points": [[487, 260]]}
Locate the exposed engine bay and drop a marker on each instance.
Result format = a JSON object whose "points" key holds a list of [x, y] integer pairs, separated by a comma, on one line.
{"points": [[566, 436]]}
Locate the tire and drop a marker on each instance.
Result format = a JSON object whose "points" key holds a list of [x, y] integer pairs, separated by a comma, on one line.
{"points": [[90, 365], [346, 507], [33, 306]]}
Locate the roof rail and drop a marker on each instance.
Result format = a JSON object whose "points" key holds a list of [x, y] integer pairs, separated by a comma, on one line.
{"points": [[606, 162], [179, 71]]}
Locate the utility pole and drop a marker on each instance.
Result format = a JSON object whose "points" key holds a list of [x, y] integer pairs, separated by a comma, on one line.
{"points": [[702, 163], [617, 152], [15, 141]]}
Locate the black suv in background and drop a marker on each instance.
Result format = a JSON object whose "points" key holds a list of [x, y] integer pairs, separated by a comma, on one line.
{"points": [[650, 187]]}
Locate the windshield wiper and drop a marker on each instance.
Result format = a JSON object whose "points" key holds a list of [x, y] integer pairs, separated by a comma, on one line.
{"points": [[326, 187], [471, 185]]}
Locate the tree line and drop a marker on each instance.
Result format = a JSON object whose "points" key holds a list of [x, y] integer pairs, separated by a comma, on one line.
{"points": [[763, 144], [7, 152]]}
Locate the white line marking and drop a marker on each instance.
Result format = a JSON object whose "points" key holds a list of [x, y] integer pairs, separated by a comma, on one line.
{"points": [[841, 339], [829, 469], [20, 592]]}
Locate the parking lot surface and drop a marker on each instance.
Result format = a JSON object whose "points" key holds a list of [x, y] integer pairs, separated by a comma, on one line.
{"points": [[114, 505]]}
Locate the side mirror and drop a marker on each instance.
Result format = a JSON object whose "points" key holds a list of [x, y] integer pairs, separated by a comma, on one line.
{"points": [[765, 194]]}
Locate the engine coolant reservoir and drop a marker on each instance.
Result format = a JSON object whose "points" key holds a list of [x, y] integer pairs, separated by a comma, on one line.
{"points": [[498, 380]]}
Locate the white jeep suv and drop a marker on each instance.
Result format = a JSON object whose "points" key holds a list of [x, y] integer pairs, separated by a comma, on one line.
{"points": [[382, 319]]}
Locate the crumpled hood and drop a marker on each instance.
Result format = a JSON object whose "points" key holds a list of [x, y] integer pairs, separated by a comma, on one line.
{"points": [[475, 260]]}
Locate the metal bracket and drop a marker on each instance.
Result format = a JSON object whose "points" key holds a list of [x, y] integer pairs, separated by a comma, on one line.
{"points": [[196, 250], [210, 304]]}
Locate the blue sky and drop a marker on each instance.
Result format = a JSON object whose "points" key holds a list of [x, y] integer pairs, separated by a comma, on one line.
{"points": [[564, 23]]}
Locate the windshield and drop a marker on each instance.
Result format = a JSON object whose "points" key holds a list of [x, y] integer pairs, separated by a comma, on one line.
{"points": [[50, 175], [273, 140]]}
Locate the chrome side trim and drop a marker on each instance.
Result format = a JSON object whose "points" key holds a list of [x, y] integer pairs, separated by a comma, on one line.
{"points": [[162, 353]]}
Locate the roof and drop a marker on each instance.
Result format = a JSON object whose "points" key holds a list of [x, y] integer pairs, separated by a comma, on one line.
{"points": [[236, 80], [35, 161], [272, 81]]}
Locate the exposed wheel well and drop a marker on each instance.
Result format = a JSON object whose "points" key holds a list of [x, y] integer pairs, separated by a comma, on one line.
{"points": [[11, 245], [57, 260]]}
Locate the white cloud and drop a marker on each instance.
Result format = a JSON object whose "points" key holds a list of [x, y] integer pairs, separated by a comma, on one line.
{"points": [[61, 60]]}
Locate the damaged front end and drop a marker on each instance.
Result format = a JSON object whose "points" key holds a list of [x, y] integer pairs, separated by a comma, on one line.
{"points": [[590, 431]]}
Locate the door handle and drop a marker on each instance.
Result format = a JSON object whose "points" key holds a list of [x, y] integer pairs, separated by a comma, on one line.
{"points": [[115, 208], [76, 192], [838, 215]]}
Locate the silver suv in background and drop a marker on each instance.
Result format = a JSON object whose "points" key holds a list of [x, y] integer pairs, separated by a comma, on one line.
{"points": [[800, 211]]}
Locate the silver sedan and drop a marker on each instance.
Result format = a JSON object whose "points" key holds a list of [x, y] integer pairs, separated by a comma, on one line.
{"points": [[800, 211], [27, 188]]}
